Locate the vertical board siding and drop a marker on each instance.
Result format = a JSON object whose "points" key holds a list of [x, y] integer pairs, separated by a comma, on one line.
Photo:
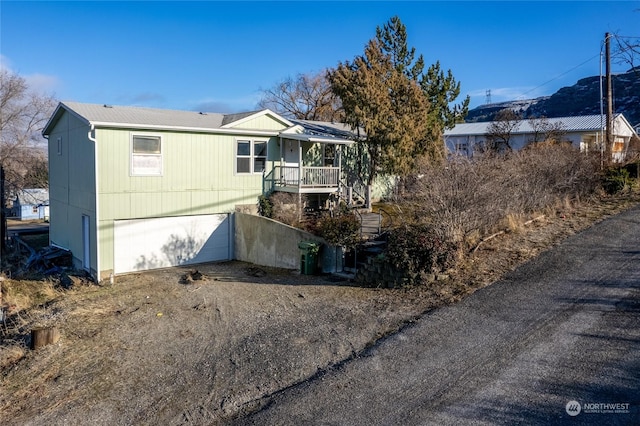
{"points": [[72, 187], [198, 177], [263, 122]]}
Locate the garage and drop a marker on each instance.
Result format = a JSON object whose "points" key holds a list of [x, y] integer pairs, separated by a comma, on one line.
{"points": [[143, 244]]}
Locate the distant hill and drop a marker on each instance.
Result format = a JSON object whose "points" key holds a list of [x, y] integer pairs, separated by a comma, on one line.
{"points": [[583, 98]]}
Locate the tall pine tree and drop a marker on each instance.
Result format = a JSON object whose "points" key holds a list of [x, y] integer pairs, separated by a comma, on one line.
{"points": [[388, 106], [402, 110]]}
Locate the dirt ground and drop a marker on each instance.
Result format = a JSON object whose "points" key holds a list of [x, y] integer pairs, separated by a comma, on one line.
{"points": [[154, 349]]}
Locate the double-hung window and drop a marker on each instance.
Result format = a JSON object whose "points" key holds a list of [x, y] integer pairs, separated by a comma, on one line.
{"points": [[146, 155], [251, 156]]}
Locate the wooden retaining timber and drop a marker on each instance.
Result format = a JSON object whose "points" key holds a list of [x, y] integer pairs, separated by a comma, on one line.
{"points": [[44, 336]]}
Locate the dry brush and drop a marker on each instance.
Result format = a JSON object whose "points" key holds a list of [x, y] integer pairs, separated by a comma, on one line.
{"points": [[469, 198]]}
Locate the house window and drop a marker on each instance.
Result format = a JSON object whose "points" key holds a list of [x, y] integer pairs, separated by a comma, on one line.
{"points": [[35, 209], [618, 145], [251, 156], [462, 148], [59, 141], [329, 155], [146, 155]]}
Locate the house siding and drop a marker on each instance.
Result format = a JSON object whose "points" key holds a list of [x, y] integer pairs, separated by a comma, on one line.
{"points": [[198, 177], [198, 172], [263, 122], [72, 191], [26, 212], [91, 177]]}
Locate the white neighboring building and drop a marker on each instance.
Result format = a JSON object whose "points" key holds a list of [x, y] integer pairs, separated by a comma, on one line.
{"points": [[585, 132], [32, 204]]}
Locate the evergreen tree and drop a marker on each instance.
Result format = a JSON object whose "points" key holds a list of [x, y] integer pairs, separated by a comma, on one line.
{"points": [[393, 42], [441, 88], [390, 108], [402, 110]]}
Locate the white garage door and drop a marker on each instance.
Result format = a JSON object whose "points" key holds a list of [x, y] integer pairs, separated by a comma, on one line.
{"points": [[141, 244]]}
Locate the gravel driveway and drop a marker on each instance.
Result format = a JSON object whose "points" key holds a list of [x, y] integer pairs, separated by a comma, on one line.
{"points": [[294, 349], [564, 327]]}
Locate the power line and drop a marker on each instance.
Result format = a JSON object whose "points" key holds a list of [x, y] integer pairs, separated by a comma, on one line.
{"points": [[560, 75]]}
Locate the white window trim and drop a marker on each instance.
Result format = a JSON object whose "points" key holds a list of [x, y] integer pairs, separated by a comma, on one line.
{"points": [[251, 156], [131, 154]]}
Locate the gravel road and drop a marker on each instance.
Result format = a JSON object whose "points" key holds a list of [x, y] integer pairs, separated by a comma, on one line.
{"points": [[564, 327]]}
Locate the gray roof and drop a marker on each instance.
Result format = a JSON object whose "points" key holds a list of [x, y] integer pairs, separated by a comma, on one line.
{"points": [[230, 118], [34, 196], [326, 128], [582, 123], [151, 118], [112, 114]]}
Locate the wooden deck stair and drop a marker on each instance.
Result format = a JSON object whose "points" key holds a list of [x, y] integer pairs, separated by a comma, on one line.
{"points": [[371, 232], [370, 225]]}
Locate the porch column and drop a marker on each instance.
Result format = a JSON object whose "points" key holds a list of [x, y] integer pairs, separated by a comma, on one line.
{"points": [[281, 159], [299, 167], [339, 155]]}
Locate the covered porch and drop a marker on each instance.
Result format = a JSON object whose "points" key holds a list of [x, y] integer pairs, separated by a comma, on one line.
{"points": [[308, 164]]}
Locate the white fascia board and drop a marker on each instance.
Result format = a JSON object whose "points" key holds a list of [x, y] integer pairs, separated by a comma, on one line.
{"points": [[316, 139], [625, 122], [224, 131]]}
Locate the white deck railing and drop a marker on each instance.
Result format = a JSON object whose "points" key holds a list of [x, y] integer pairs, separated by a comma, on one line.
{"points": [[307, 177]]}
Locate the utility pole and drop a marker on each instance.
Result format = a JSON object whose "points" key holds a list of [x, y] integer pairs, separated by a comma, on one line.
{"points": [[609, 128]]}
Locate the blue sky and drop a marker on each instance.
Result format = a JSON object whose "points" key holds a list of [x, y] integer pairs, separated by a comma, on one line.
{"points": [[218, 56]]}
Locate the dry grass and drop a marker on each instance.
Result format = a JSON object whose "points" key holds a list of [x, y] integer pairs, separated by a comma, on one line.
{"points": [[223, 344], [11, 353], [285, 208], [27, 304], [19, 295], [488, 194], [514, 222]]}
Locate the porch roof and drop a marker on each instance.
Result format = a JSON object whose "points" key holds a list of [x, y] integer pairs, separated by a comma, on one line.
{"points": [[304, 137], [319, 132]]}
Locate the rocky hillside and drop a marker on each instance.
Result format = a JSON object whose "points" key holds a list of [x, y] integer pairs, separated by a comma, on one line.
{"points": [[583, 98]]}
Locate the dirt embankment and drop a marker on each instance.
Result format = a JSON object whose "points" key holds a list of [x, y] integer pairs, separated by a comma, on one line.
{"points": [[155, 349]]}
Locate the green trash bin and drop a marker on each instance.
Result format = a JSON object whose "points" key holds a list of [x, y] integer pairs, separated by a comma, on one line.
{"points": [[308, 257]]}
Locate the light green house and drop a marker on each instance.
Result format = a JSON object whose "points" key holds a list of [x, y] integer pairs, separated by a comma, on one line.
{"points": [[135, 188]]}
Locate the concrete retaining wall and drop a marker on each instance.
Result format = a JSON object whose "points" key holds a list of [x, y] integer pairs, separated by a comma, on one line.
{"points": [[266, 242]]}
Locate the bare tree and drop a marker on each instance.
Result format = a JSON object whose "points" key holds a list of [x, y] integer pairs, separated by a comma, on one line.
{"points": [[547, 131], [627, 50], [305, 97], [500, 130], [23, 114]]}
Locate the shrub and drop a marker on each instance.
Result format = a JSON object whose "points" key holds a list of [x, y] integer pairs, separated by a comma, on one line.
{"points": [[418, 248], [285, 208], [265, 206], [468, 197], [342, 229], [615, 180]]}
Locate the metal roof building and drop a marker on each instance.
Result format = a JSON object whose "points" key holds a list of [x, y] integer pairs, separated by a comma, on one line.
{"points": [[585, 132]]}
